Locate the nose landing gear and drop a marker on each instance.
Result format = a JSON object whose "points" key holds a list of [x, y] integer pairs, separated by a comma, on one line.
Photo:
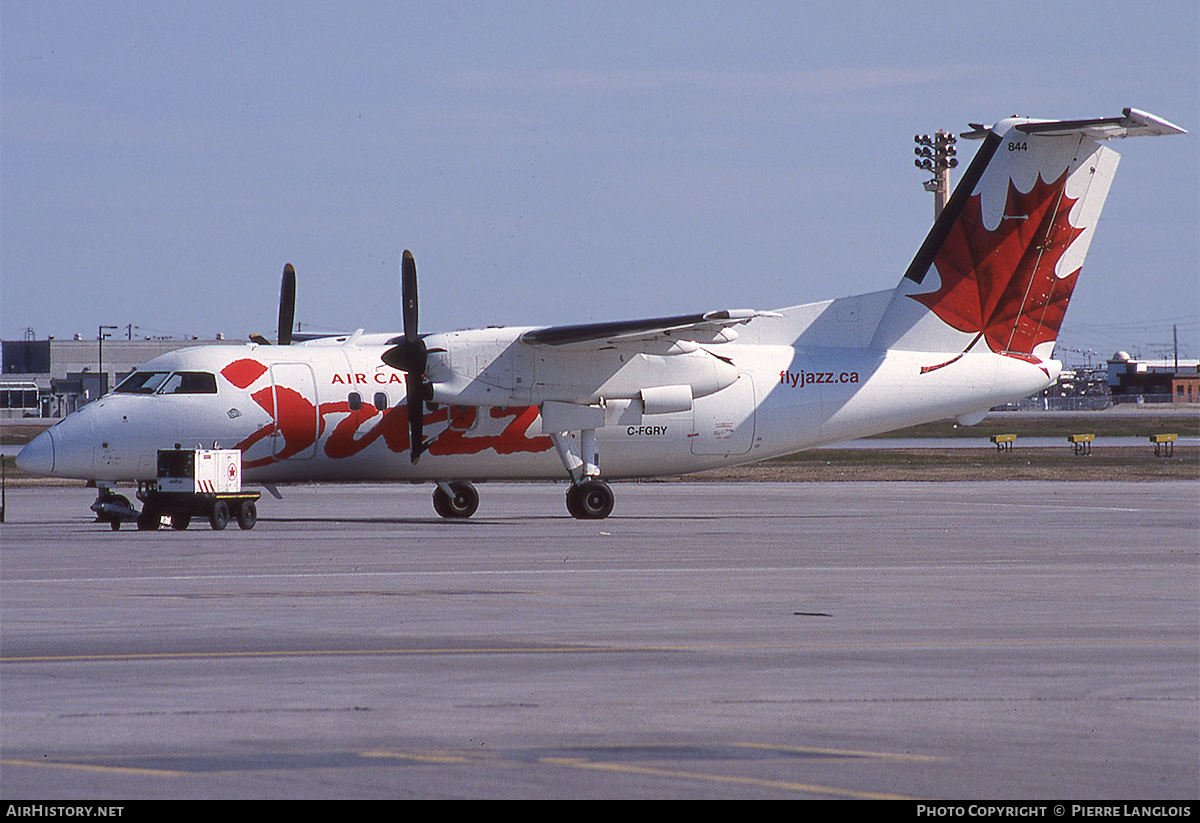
{"points": [[113, 509], [456, 500]]}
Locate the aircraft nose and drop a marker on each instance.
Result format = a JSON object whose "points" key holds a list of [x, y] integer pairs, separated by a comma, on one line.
{"points": [[38, 455]]}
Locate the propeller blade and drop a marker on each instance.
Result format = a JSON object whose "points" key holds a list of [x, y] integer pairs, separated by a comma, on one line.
{"points": [[408, 291], [287, 305], [416, 416]]}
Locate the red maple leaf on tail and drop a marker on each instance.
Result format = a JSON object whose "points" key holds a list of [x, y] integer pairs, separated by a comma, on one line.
{"points": [[1000, 283]]}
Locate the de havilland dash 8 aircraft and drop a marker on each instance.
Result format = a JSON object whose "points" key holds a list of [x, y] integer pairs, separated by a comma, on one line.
{"points": [[972, 324]]}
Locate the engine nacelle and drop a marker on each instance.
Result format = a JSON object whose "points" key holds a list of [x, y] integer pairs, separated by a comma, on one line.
{"points": [[482, 369], [662, 380]]}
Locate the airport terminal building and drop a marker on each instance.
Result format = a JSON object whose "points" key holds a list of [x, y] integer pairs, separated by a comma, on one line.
{"points": [[52, 378], [1162, 381]]}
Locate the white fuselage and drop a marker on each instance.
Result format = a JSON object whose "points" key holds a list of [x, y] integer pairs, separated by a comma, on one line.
{"points": [[332, 410]]}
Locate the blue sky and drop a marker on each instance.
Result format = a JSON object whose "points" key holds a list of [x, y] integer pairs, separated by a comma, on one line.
{"points": [[553, 162]]}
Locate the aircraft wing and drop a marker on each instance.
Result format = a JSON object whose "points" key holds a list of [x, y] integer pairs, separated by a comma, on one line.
{"points": [[709, 327]]}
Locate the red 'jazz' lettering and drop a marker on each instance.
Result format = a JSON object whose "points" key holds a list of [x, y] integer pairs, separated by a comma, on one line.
{"points": [[301, 425]]}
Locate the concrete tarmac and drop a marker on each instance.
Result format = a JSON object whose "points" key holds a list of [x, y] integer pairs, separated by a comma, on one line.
{"points": [[1020, 640]]}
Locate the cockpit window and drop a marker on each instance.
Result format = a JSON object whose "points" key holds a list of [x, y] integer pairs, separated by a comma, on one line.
{"points": [[162, 382], [142, 382], [190, 382]]}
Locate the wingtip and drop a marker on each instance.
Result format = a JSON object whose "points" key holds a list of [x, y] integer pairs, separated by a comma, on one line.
{"points": [[1147, 120]]}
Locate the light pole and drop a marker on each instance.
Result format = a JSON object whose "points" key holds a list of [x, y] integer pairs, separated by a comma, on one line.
{"points": [[936, 154], [100, 335]]}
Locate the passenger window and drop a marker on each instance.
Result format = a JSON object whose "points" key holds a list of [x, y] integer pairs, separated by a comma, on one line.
{"points": [[355, 400], [381, 401]]}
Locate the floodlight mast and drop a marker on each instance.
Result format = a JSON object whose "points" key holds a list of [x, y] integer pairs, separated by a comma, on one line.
{"points": [[936, 154], [101, 334]]}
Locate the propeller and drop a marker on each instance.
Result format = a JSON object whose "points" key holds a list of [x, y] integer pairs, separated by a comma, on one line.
{"points": [[411, 356], [287, 305], [287, 309]]}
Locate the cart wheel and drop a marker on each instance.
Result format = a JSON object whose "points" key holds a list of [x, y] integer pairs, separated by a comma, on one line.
{"points": [[114, 525], [247, 515], [179, 522], [218, 518]]}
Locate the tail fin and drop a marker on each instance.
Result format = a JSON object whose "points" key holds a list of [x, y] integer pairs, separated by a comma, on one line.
{"points": [[999, 265]]}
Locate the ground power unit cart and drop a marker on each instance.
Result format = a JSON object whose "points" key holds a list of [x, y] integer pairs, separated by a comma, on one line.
{"points": [[198, 483]]}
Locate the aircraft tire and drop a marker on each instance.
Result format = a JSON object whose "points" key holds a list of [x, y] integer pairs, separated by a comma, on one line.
{"points": [[460, 504], [149, 520], [590, 500], [218, 517], [573, 503], [247, 515]]}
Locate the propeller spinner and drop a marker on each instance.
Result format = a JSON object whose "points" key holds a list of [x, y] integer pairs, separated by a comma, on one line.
{"points": [[411, 357]]}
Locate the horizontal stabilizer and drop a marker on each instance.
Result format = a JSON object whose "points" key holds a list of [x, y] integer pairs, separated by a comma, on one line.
{"points": [[1131, 123]]}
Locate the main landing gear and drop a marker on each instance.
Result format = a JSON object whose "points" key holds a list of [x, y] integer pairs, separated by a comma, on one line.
{"points": [[590, 500], [589, 497]]}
